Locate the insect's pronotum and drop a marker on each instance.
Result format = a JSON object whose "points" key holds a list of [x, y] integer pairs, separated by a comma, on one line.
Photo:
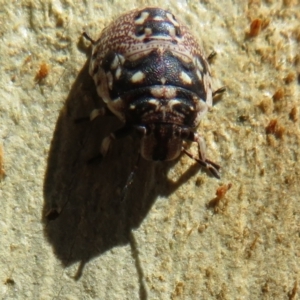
{"points": [[153, 75]]}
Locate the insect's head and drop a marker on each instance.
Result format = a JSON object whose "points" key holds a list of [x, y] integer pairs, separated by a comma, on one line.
{"points": [[162, 141]]}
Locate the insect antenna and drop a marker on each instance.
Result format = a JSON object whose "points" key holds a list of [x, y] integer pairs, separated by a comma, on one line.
{"points": [[219, 91], [86, 36]]}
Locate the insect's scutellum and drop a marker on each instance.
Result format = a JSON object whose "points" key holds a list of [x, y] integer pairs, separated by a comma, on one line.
{"points": [[153, 75]]}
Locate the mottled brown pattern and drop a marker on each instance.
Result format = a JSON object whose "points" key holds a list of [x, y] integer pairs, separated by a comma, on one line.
{"points": [[119, 37]]}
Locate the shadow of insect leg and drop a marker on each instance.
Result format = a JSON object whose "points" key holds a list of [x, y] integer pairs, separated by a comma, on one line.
{"points": [[97, 112], [106, 142]]}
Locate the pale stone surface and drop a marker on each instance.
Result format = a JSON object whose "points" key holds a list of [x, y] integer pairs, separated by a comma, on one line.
{"points": [[166, 241]]}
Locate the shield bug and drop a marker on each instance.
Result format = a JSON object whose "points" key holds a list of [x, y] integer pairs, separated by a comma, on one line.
{"points": [[153, 75]]}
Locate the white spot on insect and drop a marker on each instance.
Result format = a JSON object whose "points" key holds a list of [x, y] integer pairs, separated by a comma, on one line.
{"points": [[163, 80], [206, 82], [163, 92], [170, 93], [158, 18], [172, 20], [154, 102], [144, 15], [118, 73], [106, 143], [121, 59], [109, 80], [148, 31], [201, 108], [199, 65], [199, 75], [140, 38], [156, 92], [181, 54], [95, 113], [160, 49], [132, 106], [185, 78], [173, 102], [115, 63], [207, 88], [172, 32], [137, 77], [117, 107]]}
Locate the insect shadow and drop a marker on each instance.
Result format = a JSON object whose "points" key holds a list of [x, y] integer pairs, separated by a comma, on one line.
{"points": [[92, 218]]}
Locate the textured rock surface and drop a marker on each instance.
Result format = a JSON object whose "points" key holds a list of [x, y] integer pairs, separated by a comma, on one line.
{"points": [[171, 239]]}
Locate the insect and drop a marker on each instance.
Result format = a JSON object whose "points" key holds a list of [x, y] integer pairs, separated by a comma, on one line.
{"points": [[153, 75]]}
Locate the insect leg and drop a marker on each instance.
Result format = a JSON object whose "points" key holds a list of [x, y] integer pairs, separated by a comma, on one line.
{"points": [[86, 36], [202, 160], [221, 90], [97, 112], [106, 142], [211, 56]]}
